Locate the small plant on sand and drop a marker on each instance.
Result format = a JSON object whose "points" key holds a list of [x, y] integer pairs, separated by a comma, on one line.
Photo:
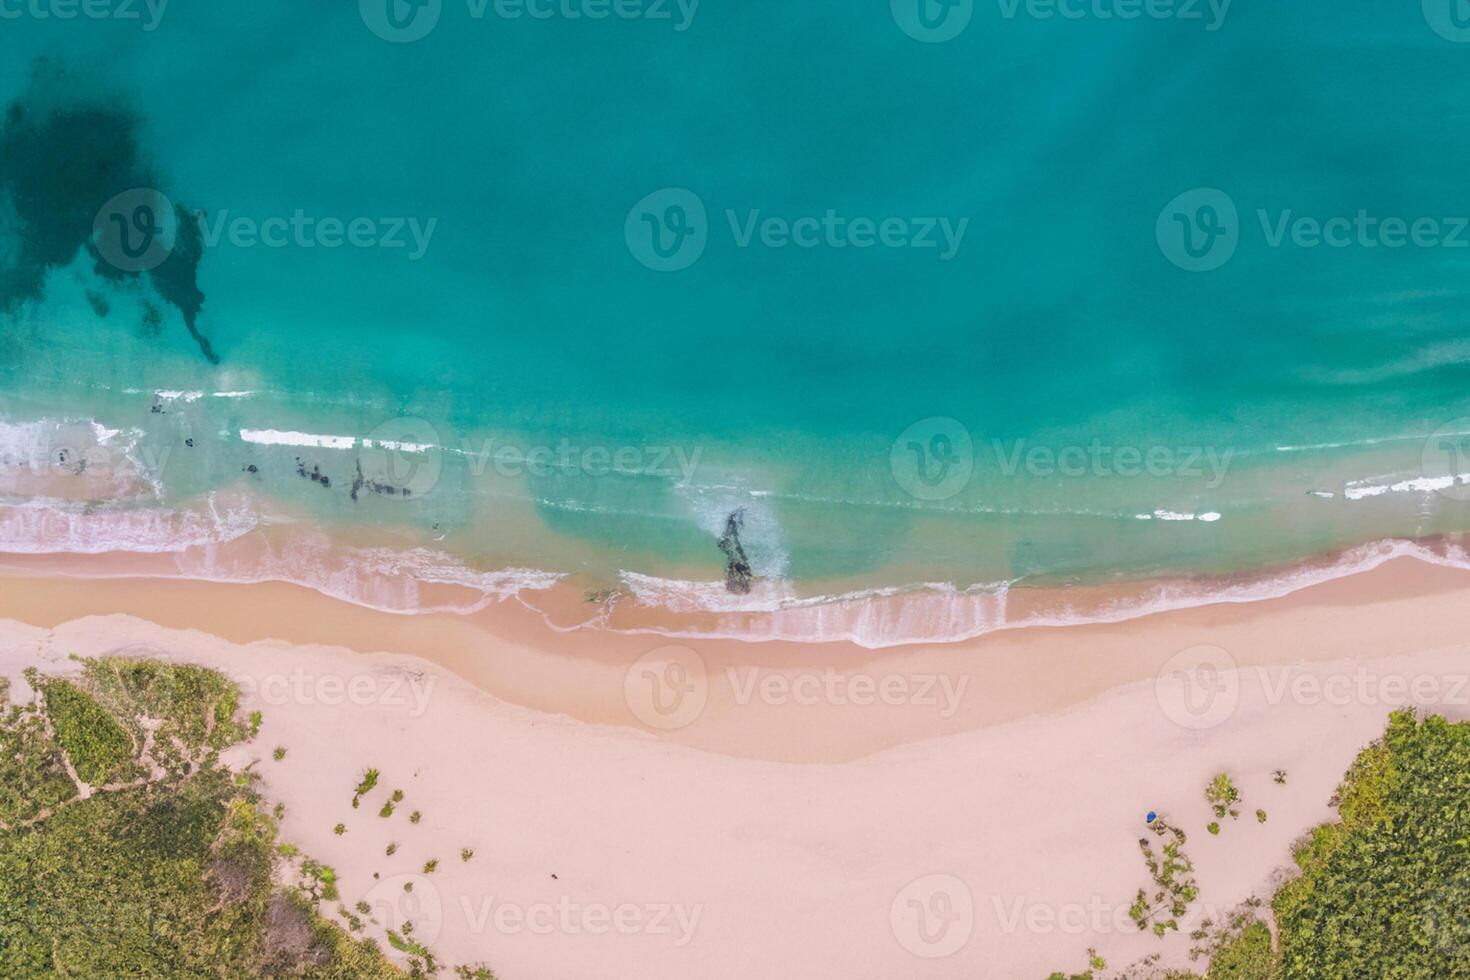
{"points": [[465, 853], [1213, 826], [386, 810], [1279, 776], [398, 796], [364, 786], [473, 973], [364, 908], [1260, 816], [430, 865], [408, 886], [1222, 796], [340, 829], [1173, 881], [279, 811], [279, 753], [255, 719], [1094, 962], [391, 849], [415, 817]]}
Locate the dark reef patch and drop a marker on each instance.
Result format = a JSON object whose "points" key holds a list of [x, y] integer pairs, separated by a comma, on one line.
{"points": [[62, 157], [737, 567]]}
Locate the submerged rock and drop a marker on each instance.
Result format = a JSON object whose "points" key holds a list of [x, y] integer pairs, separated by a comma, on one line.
{"points": [[737, 566]]}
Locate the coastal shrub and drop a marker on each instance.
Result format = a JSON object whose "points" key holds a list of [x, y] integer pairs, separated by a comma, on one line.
{"points": [[1222, 796], [415, 817], [1173, 882], [33, 778], [279, 753], [1385, 890], [175, 874], [195, 708], [100, 749], [465, 853]]}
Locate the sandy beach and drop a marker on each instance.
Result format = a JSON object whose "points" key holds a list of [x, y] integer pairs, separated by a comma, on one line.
{"points": [[640, 807]]}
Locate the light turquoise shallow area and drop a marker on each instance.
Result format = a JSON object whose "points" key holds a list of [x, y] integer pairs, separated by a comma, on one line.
{"points": [[1060, 320]]}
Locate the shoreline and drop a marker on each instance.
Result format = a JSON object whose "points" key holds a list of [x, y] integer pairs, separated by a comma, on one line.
{"points": [[775, 700]]}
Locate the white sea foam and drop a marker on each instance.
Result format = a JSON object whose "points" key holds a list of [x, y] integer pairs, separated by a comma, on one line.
{"points": [[277, 437], [383, 579], [54, 527], [942, 613]]}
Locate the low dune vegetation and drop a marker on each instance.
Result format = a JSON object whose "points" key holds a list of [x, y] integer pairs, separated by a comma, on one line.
{"points": [[128, 849], [1383, 891]]}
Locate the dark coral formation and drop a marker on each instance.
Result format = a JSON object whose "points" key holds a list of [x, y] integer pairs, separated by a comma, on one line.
{"points": [[62, 156], [737, 566]]}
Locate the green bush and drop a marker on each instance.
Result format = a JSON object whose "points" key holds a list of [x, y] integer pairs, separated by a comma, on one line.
{"points": [[100, 749], [1385, 890]]}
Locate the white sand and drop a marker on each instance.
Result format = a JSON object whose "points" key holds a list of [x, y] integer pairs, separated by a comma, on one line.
{"points": [[606, 852]]}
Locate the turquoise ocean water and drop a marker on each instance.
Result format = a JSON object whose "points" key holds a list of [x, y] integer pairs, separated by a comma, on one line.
{"points": [[918, 293]]}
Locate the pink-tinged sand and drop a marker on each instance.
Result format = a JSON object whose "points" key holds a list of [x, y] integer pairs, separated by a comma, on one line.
{"points": [[774, 839]]}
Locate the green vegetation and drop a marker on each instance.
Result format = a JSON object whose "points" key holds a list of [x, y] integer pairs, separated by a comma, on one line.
{"points": [[279, 753], [1213, 826], [429, 866], [387, 810], [1222, 796], [1385, 891], [340, 829], [391, 848], [415, 817], [365, 786], [170, 874], [1279, 776], [465, 853], [99, 748], [1173, 880]]}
